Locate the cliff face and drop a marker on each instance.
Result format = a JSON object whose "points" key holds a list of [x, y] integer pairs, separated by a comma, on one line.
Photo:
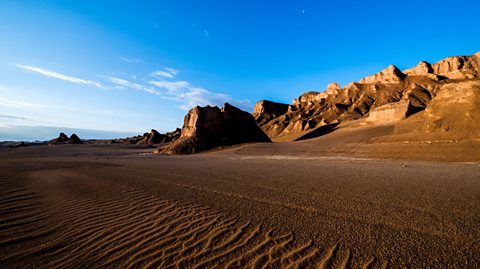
{"points": [[209, 127], [369, 98]]}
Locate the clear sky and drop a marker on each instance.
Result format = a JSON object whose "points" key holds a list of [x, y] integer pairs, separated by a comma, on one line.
{"points": [[131, 66]]}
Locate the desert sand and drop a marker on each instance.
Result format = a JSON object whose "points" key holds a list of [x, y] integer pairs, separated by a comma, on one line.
{"points": [[336, 201]]}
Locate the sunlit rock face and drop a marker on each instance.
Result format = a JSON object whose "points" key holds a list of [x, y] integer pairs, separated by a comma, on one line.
{"points": [[409, 92]]}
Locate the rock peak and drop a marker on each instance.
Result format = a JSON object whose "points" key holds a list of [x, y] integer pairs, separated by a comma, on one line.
{"points": [[422, 68], [391, 74]]}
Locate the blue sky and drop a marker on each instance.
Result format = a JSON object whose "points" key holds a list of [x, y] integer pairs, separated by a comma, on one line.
{"points": [[130, 66]]}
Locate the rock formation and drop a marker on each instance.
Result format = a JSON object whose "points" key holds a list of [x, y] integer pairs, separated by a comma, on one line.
{"points": [[153, 137], [209, 127], [63, 139], [265, 111], [390, 112], [407, 92], [389, 75], [74, 139]]}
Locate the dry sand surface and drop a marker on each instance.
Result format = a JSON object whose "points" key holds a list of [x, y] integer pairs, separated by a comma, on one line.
{"points": [[255, 206]]}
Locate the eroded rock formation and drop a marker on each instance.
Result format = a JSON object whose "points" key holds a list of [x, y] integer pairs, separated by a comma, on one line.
{"points": [[153, 137], [265, 111], [209, 127], [64, 139], [386, 96]]}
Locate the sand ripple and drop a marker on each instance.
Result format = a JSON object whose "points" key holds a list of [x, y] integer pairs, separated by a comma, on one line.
{"points": [[131, 229]]}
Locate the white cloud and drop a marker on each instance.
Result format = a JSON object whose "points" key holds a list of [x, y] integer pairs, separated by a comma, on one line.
{"points": [[131, 60], [207, 34], [131, 85], [189, 96], [53, 74], [161, 73], [166, 73], [171, 86]]}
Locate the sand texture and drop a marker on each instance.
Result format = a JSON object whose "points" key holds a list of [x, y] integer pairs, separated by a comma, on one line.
{"points": [[114, 206]]}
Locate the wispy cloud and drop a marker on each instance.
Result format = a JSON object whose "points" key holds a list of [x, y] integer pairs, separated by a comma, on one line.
{"points": [[189, 96], [19, 104], [56, 75], [207, 34], [166, 73], [131, 60], [131, 85], [12, 117], [163, 74]]}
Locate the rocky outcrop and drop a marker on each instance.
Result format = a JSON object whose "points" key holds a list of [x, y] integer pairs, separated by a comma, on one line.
{"points": [[452, 115], [208, 127], [265, 111], [64, 139], [458, 67], [153, 137], [390, 112], [391, 74], [74, 139], [416, 86], [455, 111], [423, 68]]}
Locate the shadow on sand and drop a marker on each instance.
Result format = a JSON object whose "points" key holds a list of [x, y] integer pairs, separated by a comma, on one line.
{"points": [[319, 131]]}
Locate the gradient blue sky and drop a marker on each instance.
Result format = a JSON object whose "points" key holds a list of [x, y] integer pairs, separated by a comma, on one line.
{"points": [[130, 66]]}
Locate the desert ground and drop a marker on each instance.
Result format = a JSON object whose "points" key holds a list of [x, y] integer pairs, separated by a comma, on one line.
{"points": [[327, 202]]}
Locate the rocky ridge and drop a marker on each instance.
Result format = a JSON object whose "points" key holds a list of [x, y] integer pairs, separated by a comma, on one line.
{"points": [[389, 95]]}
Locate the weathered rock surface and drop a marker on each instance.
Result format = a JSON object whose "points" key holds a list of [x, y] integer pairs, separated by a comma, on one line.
{"points": [[417, 86], [454, 113], [458, 67], [265, 111], [64, 139], [389, 75], [208, 127], [390, 112]]}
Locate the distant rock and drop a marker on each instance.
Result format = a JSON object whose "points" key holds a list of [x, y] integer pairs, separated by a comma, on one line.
{"points": [[208, 127], [391, 74], [74, 139], [63, 139], [153, 137]]}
